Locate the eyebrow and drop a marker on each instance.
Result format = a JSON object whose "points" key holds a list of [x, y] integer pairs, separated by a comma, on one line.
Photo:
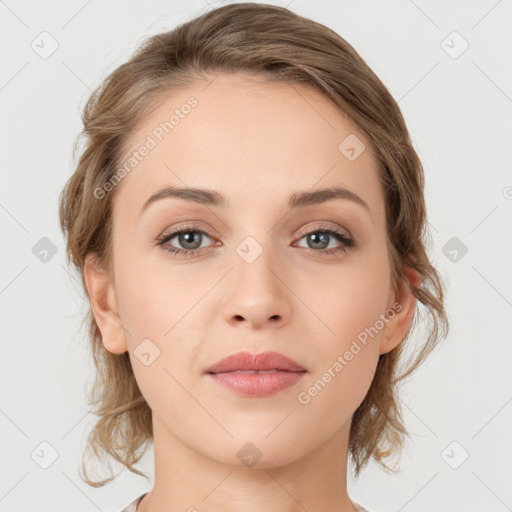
{"points": [[209, 197]]}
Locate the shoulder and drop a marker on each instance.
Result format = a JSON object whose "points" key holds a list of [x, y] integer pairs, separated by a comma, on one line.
{"points": [[360, 508], [132, 507]]}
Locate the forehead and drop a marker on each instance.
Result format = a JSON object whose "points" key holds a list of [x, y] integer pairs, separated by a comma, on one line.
{"points": [[252, 139]]}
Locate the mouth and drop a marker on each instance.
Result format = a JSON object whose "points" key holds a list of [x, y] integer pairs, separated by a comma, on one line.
{"points": [[256, 375]]}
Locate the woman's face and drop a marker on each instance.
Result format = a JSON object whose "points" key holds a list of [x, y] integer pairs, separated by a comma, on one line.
{"points": [[265, 275]]}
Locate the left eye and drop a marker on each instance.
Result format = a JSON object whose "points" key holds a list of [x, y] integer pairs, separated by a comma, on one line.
{"points": [[321, 237]]}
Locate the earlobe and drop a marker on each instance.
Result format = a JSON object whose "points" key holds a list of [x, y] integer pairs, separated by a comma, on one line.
{"points": [[101, 293], [402, 309]]}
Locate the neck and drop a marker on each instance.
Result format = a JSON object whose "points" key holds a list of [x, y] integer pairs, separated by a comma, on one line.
{"points": [[188, 480]]}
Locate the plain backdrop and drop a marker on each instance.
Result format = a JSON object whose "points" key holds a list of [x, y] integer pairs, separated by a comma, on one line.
{"points": [[446, 63]]}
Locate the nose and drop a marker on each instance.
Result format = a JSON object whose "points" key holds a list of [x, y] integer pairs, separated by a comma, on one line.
{"points": [[258, 296]]}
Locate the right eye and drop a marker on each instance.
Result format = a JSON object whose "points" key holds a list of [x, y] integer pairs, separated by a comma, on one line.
{"points": [[190, 237]]}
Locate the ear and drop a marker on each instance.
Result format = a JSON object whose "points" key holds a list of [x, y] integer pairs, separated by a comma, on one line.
{"points": [[101, 292], [402, 305]]}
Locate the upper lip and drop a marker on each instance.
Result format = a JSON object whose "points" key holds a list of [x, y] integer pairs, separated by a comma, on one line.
{"points": [[250, 361]]}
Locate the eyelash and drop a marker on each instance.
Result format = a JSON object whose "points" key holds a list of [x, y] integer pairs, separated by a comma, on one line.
{"points": [[347, 242]]}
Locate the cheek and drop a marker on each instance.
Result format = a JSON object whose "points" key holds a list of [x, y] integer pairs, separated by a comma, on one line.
{"points": [[158, 302], [150, 295], [347, 298], [352, 301], [161, 340], [347, 350], [361, 299]]}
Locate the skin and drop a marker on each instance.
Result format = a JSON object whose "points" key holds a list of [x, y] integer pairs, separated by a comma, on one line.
{"points": [[256, 143]]}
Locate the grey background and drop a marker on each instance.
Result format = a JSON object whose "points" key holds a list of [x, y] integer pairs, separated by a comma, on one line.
{"points": [[458, 108]]}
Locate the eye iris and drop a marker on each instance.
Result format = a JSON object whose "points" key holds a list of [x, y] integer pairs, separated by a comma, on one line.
{"points": [[186, 238], [321, 238]]}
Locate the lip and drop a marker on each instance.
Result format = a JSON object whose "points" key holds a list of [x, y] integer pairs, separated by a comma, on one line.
{"points": [[259, 362], [261, 374]]}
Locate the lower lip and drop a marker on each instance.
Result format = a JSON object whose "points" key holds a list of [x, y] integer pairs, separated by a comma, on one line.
{"points": [[257, 384]]}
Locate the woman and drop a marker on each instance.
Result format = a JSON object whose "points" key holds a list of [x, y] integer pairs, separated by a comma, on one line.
{"points": [[248, 220]]}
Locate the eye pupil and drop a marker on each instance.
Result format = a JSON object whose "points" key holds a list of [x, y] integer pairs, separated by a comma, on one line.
{"points": [[186, 238], [321, 238]]}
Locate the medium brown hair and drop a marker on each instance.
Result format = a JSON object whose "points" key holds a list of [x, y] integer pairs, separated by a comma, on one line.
{"points": [[278, 45]]}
